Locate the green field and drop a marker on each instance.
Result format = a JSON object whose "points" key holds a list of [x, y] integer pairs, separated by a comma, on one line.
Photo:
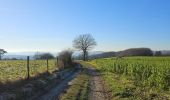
{"points": [[136, 77], [12, 70]]}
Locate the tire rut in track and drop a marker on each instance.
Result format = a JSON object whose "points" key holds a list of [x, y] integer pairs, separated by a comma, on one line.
{"points": [[97, 89]]}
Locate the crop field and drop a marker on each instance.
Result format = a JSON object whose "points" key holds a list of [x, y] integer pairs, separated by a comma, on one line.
{"points": [[12, 70], [145, 77]]}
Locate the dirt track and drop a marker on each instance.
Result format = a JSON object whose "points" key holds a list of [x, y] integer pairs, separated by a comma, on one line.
{"points": [[59, 88], [97, 91]]}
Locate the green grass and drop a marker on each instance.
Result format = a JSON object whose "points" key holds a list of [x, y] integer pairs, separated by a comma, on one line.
{"points": [[17, 69], [136, 77]]}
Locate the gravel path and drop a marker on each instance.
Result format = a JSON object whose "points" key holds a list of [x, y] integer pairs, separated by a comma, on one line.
{"points": [[55, 92], [97, 91]]}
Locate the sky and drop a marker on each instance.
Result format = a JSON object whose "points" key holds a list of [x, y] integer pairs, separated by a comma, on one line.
{"points": [[52, 25]]}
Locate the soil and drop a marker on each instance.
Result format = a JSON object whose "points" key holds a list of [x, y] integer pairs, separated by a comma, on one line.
{"points": [[97, 88]]}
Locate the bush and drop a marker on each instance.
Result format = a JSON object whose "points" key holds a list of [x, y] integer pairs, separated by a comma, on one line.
{"points": [[44, 56], [65, 58]]}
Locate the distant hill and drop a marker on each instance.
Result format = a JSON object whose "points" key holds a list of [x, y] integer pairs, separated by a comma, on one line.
{"points": [[94, 54], [162, 53], [135, 52], [23, 55], [77, 53], [103, 55], [124, 53], [165, 52]]}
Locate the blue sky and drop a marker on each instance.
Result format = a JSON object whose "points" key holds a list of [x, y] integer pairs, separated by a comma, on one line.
{"points": [[51, 25]]}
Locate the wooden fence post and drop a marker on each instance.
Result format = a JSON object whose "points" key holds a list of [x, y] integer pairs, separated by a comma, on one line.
{"points": [[57, 61], [28, 68], [47, 64]]}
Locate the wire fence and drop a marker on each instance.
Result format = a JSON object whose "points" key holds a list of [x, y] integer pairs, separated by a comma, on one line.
{"points": [[11, 70]]}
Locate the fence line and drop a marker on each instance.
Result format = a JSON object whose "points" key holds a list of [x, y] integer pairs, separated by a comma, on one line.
{"points": [[28, 68], [16, 69]]}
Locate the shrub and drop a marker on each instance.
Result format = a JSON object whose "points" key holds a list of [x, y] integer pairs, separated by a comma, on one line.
{"points": [[65, 58]]}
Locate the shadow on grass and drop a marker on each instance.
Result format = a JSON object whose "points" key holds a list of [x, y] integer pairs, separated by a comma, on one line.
{"points": [[35, 86], [24, 88]]}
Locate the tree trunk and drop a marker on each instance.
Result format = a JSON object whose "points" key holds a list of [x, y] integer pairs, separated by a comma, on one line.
{"points": [[0, 56], [84, 55]]}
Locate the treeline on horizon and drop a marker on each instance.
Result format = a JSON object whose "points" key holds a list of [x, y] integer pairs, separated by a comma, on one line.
{"points": [[130, 52], [125, 53]]}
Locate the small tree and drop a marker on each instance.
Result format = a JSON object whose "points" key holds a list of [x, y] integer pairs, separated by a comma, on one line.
{"points": [[84, 42], [2, 52]]}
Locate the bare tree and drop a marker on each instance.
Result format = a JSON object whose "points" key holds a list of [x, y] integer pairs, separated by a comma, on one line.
{"points": [[84, 42], [2, 51]]}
